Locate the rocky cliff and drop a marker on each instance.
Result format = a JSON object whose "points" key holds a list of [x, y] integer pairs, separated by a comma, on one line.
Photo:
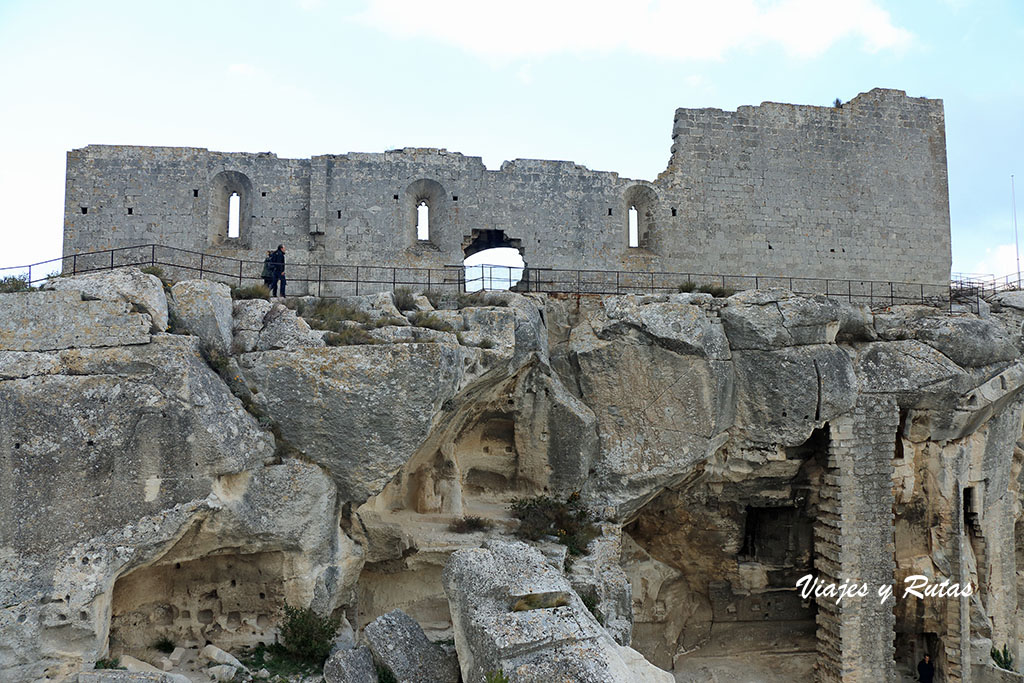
{"points": [[177, 464]]}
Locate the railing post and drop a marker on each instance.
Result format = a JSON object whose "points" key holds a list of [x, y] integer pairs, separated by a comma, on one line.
{"points": [[239, 272], [428, 279], [30, 276], [319, 278], [152, 255], [849, 291], [652, 283], [891, 300], [357, 280], [111, 259], [201, 263], [394, 275], [74, 264], [616, 282]]}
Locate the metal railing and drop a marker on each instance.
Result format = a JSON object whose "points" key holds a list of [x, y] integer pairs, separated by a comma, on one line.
{"points": [[340, 280]]}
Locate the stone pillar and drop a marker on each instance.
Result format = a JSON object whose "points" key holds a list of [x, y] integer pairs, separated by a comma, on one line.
{"points": [[854, 542]]}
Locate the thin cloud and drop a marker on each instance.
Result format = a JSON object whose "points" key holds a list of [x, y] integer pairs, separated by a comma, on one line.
{"points": [[999, 261], [672, 30]]}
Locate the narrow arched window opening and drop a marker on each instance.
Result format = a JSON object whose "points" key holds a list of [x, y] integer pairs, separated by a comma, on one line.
{"points": [[422, 221], [233, 213], [634, 227]]}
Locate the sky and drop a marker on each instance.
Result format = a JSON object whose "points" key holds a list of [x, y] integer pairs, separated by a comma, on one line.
{"points": [[592, 81]]}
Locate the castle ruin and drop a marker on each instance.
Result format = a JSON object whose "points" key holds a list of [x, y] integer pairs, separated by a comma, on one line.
{"points": [[856, 192]]}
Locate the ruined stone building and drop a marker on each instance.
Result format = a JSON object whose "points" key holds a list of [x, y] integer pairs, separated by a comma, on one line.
{"points": [[856, 192], [177, 464]]}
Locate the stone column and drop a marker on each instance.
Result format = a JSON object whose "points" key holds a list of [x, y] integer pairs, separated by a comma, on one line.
{"points": [[854, 542]]}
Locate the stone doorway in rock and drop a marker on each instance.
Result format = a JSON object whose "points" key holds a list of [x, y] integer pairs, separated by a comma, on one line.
{"points": [[493, 261]]}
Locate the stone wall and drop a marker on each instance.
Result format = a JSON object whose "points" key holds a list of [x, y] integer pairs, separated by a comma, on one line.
{"points": [[857, 192]]}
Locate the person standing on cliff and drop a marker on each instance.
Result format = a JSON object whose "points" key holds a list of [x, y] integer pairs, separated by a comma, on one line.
{"points": [[926, 670], [277, 264]]}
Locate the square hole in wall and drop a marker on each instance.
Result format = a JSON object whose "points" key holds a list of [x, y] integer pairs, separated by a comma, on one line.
{"points": [[673, 212], [396, 196], [130, 211], [263, 194], [455, 197], [609, 212], [85, 210], [195, 193], [339, 215]]}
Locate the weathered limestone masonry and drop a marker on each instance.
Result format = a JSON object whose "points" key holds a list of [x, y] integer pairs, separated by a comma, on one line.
{"points": [[857, 192], [855, 637]]}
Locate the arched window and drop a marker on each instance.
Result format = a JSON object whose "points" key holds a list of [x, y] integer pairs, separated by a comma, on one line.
{"points": [[634, 235], [641, 203], [423, 220], [229, 208], [233, 206], [426, 211]]}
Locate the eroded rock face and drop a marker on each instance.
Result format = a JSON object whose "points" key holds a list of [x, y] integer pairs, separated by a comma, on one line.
{"points": [[515, 613], [204, 308], [152, 495], [143, 290]]}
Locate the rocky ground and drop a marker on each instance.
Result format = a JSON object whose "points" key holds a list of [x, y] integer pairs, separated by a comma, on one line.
{"points": [[179, 465]]}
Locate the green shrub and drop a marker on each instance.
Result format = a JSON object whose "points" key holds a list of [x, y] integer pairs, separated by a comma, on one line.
{"points": [[164, 644], [496, 677], [467, 525], [306, 635], [467, 299], [716, 291], [113, 663], [405, 299], [688, 286], [590, 601], [433, 296], [257, 291], [154, 270], [570, 522], [486, 344], [328, 315], [1004, 660], [430, 321], [349, 336], [15, 283], [214, 358]]}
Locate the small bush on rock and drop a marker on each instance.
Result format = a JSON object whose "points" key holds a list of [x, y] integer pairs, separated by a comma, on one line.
{"points": [[570, 523], [1004, 660], [164, 644], [328, 315], [113, 663], [467, 525], [430, 321], [350, 336], [14, 283], [405, 299], [306, 635], [496, 677], [250, 292]]}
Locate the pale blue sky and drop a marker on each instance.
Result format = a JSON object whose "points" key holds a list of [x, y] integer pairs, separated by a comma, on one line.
{"points": [[592, 81]]}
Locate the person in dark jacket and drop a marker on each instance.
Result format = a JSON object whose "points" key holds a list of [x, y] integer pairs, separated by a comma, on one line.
{"points": [[926, 670], [277, 266], [268, 270]]}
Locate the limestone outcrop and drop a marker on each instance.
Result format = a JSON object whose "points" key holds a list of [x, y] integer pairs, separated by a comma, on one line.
{"points": [[725, 447], [514, 613]]}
